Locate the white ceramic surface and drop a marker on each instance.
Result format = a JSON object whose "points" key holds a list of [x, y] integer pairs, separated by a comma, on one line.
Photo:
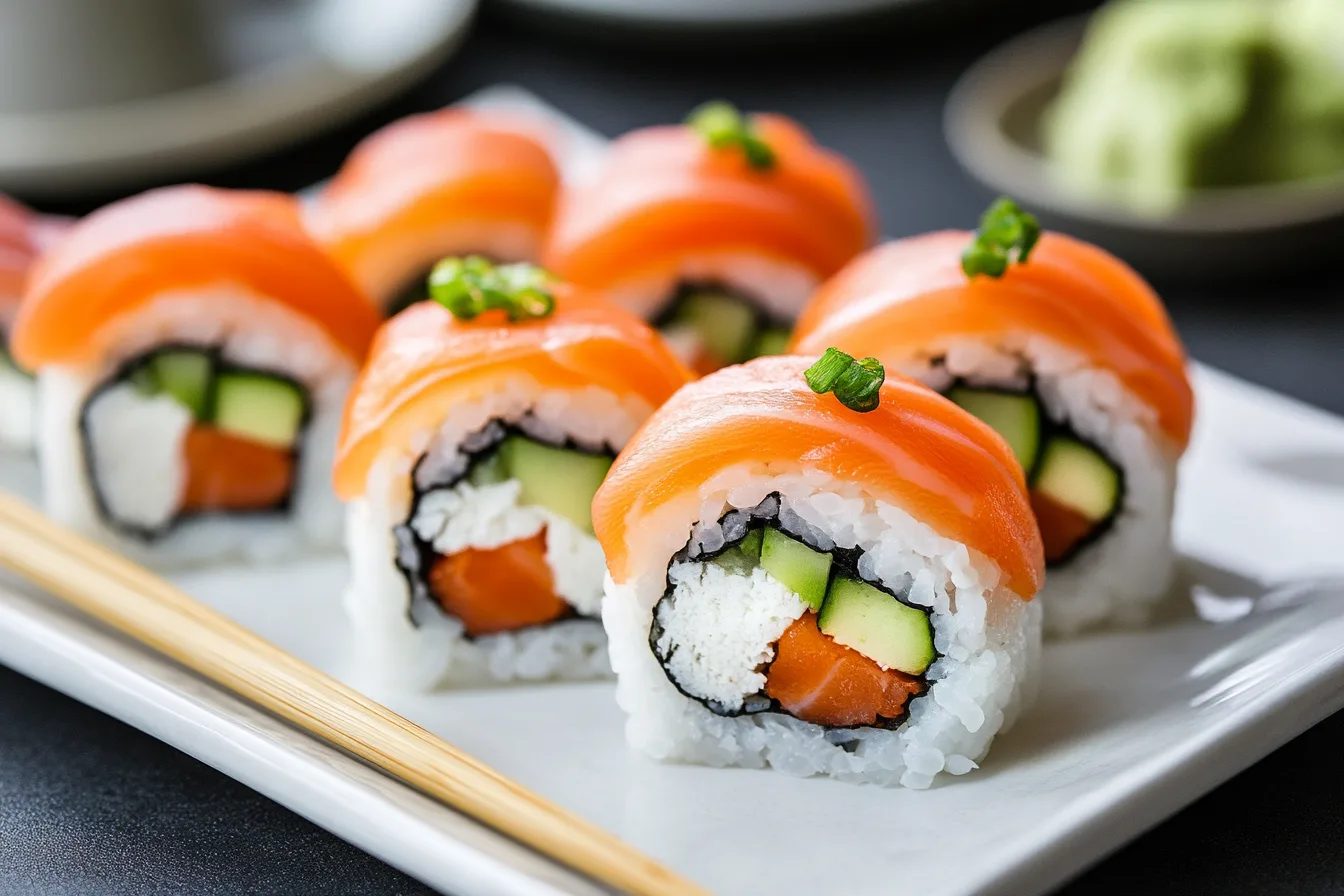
{"points": [[290, 69], [1129, 727]]}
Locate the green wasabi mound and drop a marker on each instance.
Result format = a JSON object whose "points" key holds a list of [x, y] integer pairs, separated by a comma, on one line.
{"points": [[1170, 96]]}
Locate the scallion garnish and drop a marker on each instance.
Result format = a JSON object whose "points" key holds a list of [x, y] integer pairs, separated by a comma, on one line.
{"points": [[723, 126], [856, 383], [471, 286], [1006, 234]]}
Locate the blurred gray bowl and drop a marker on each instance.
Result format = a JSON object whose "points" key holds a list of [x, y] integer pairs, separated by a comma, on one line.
{"points": [[992, 122]]}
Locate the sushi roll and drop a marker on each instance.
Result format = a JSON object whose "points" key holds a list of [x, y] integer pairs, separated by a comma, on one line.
{"points": [[23, 235], [835, 584], [717, 231], [192, 348], [1070, 355], [453, 182], [473, 442]]}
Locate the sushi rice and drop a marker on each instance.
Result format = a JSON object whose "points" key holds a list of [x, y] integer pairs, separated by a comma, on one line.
{"points": [[986, 673], [404, 641]]}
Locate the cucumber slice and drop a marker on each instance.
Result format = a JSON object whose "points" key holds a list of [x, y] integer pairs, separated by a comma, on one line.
{"points": [[771, 341], [488, 470], [263, 408], [750, 545], [877, 625], [145, 382], [558, 479], [1014, 415], [797, 566], [185, 376], [1077, 476], [725, 323]]}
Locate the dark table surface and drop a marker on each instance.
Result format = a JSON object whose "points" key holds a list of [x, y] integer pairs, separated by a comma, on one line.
{"points": [[91, 806]]}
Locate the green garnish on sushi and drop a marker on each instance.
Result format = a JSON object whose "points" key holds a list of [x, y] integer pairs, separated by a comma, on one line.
{"points": [[856, 383], [723, 126], [470, 286], [1006, 234]]}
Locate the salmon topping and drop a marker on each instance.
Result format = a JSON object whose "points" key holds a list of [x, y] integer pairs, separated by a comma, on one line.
{"points": [[500, 589], [825, 683], [1063, 529], [225, 472]]}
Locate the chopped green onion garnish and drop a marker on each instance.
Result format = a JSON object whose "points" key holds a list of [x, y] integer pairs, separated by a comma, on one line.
{"points": [[723, 127], [472, 285], [857, 384], [1006, 234]]}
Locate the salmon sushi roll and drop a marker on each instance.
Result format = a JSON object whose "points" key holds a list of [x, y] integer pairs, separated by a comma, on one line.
{"points": [[192, 348], [717, 231], [453, 182], [830, 584], [23, 235], [473, 442], [1071, 356]]}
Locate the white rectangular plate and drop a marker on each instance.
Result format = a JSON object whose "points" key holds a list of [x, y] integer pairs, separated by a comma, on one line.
{"points": [[1129, 726]]}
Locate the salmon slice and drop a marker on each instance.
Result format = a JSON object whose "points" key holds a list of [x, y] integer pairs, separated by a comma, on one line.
{"points": [[664, 194], [409, 190], [917, 451], [228, 473], [498, 590], [1062, 527], [425, 361], [819, 681], [178, 238], [907, 298], [23, 235]]}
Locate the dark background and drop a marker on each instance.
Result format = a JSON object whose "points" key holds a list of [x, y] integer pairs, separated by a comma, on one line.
{"points": [[91, 806]]}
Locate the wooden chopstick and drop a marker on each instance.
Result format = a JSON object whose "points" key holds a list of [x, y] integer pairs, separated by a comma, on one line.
{"points": [[138, 603]]}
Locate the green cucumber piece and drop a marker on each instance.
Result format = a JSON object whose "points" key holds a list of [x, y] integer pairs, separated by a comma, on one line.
{"points": [[1014, 415], [260, 407], [488, 470], [726, 324], [143, 379], [796, 566], [185, 376], [750, 545], [1077, 476], [877, 625], [771, 341], [559, 479]]}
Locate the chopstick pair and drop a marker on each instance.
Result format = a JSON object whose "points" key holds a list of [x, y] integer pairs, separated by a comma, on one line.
{"points": [[137, 603]]}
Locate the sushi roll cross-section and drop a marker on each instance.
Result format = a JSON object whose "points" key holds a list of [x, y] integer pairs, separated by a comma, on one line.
{"points": [[1071, 357], [818, 570], [717, 230], [192, 348], [474, 441], [453, 182], [23, 236]]}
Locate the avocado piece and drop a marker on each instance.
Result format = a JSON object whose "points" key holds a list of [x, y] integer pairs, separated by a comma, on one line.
{"points": [[143, 379], [726, 324], [1014, 415], [750, 545], [771, 341], [184, 375], [1077, 476], [559, 479], [796, 566], [877, 625], [260, 407], [488, 470]]}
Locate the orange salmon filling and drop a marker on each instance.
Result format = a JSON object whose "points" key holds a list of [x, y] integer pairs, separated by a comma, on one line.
{"points": [[1062, 527], [500, 589], [225, 472], [820, 681]]}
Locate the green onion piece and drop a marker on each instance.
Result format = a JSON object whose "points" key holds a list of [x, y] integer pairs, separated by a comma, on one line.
{"points": [[471, 286], [724, 127], [1007, 234], [856, 384]]}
